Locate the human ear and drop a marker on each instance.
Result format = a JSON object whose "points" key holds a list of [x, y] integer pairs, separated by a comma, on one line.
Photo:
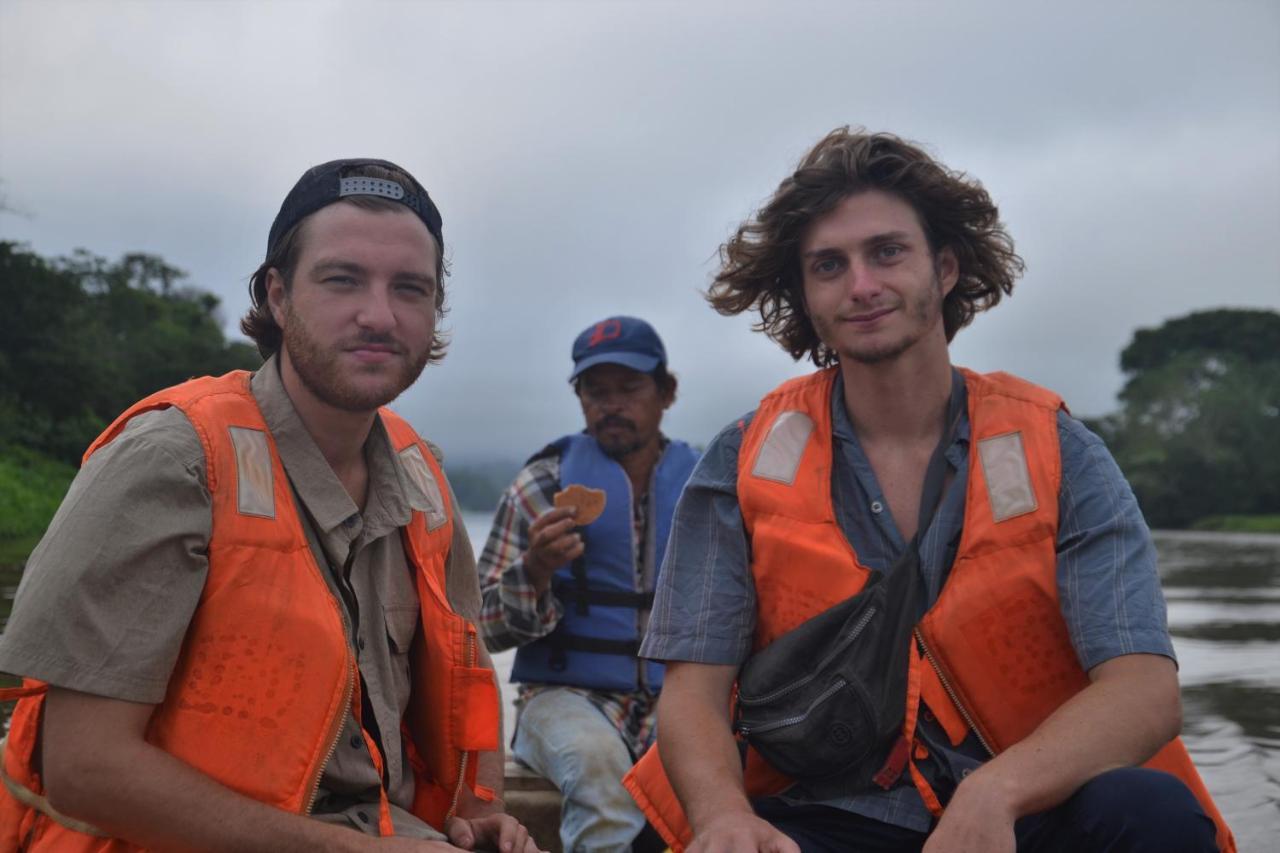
{"points": [[277, 295], [948, 268]]}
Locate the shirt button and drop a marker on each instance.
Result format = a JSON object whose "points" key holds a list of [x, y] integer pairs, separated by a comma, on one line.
{"points": [[877, 507], [351, 520], [364, 818], [360, 644], [356, 741]]}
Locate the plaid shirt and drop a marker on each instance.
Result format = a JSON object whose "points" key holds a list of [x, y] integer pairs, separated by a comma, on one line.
{"points": [[512, 614]]}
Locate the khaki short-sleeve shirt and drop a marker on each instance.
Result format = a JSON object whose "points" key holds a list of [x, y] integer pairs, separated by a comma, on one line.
{"points": [[107, 595]]}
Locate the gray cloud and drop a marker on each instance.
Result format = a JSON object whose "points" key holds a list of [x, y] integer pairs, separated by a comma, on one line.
{"points": [[589, 159]]}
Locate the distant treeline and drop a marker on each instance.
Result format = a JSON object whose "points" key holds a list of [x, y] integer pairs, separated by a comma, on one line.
{"points": [[82, 338], [1198, 431], [478, 485]]}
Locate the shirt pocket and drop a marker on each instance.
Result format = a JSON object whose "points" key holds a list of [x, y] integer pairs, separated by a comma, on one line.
{"points": [[401, 623]]}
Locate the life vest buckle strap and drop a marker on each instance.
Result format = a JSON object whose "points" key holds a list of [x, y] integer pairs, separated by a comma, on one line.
{"points": [[891, 771], [609, 598], [13, 694], [563, 642]]}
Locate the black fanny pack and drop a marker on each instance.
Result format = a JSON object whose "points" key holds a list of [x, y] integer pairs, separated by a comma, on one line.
{"points": [[825, 702]]}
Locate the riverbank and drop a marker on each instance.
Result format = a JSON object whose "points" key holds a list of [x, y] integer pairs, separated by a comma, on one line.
{"points": [[1239, 523]]}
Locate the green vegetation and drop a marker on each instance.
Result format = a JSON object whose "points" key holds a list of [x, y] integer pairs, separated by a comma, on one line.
{"points": [[82, 338], [1199, 427], [1240, 523], [31, 487]]}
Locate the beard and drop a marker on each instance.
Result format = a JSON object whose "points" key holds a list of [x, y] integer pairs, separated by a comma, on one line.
{"points": [[923, 313], [618, 443], [322, 372]]}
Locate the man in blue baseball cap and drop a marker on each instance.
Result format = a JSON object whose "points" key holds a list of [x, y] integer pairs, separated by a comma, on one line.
{"points": [[574, 598]]}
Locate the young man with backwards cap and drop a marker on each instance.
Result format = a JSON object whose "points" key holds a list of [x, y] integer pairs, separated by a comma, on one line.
{"points": [[250, 624], [573, 598]]}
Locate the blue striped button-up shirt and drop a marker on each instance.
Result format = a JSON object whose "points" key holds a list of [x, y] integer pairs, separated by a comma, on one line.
{"points": [[1108, 585]]}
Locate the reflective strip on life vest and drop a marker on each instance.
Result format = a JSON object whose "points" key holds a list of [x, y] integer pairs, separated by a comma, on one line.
{"points": [[255, 492], [780, 454], [1004, 466], [424, 494]]}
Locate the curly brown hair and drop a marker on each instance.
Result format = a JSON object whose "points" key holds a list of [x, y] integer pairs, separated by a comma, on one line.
{"points": [[258, 324], [760, 264]]}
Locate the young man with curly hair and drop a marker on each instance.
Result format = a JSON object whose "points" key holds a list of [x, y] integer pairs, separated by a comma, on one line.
{"points": [[1039, 673]]}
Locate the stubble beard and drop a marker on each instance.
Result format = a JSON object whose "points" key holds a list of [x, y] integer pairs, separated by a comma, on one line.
{"points": [[924, 312], [319, 369], [619, 448]]}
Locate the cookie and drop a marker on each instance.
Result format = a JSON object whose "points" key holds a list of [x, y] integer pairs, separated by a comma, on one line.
{"points": [[590, 502]]}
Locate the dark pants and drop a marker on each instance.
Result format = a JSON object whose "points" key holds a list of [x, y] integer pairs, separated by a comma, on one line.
{"points": [[1121, 811]]}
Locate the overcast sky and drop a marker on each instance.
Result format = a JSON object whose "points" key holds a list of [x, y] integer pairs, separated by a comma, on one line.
{"points": [[590, 157]]}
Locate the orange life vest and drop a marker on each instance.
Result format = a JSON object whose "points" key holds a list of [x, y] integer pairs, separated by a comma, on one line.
{"points": [[993, 653], [266, 674]]}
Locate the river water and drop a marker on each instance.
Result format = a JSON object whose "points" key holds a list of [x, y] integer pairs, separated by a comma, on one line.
{"points": [[1223, 592]]}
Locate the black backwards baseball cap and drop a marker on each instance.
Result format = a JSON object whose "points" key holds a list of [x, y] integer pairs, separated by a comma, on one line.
{"points": [[628, 341], [322, 185]]}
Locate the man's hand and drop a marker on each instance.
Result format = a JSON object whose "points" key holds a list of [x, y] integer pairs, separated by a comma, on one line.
{"points": [[552, 543], [500, 832], [1129, 710], [701, 758], [979, 819], [741, 833]]}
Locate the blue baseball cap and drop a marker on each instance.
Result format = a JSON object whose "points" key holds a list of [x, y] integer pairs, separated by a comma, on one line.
{"points": [[628, 341]]}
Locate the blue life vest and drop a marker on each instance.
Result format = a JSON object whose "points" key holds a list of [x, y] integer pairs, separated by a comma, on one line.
{"points": [[595, 643]]}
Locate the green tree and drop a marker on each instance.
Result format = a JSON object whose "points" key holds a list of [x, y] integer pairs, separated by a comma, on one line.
{"points": [[83, 337], [1200, 420]]}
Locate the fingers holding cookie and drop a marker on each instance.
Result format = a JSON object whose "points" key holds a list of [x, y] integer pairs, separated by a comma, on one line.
{"points": [[553, 542]]}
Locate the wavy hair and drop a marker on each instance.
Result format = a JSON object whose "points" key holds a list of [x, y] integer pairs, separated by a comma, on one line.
{"points": [[760, 264]]}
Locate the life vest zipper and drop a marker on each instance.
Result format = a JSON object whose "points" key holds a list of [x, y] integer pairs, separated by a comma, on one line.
{"points": [[335, 734], [339, 718], [955, 700], [469, 657]]}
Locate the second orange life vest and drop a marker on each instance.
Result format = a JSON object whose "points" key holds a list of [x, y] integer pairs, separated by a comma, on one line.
{"points": [[993, 653]]}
